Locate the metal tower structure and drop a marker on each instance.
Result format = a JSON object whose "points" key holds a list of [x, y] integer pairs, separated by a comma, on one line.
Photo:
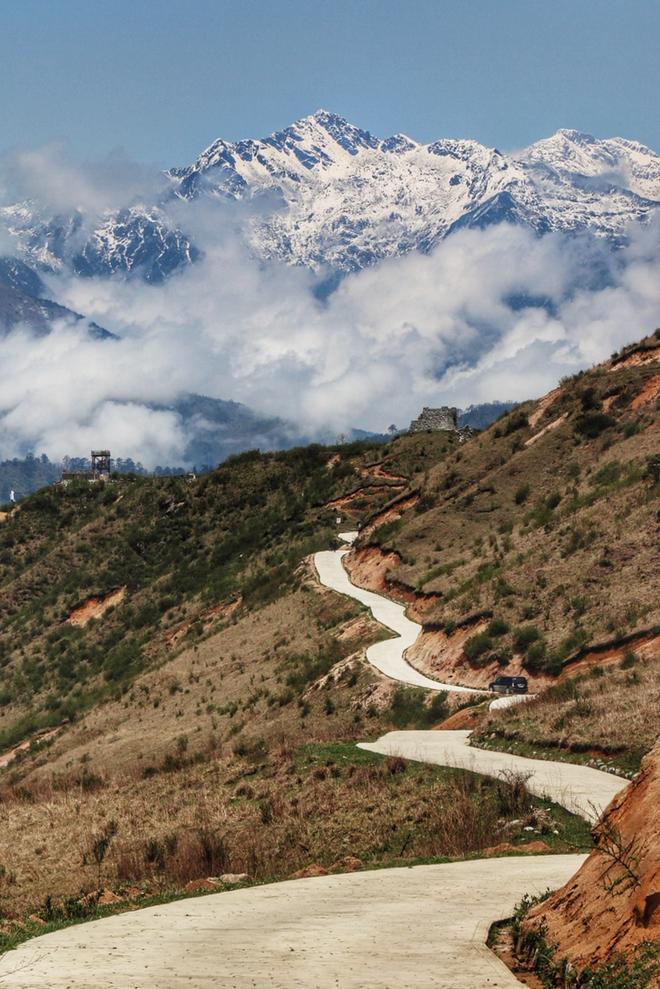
{"points": [[100, 464]]}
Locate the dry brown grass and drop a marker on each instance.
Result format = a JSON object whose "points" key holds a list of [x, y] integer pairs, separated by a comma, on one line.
{"points": [[198, 757], [267, 814], [607, 712], [232, 684], [202, 773]]}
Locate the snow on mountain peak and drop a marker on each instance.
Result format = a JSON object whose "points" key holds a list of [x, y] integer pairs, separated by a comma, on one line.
{"points": [[347, 198], [578, 137]]}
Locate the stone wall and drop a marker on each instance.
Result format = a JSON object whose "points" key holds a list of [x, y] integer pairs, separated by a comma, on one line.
{"points": [[435, 419]]}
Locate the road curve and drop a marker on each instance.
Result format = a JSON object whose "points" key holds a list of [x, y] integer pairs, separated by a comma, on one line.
{"points": [[383, 929], [387, 657], [579, 789], [386, 929]]}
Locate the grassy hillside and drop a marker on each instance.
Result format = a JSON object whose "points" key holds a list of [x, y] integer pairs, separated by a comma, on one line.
{"points": [[540, 533], [606, 716], [182, 553], [173, 677]]}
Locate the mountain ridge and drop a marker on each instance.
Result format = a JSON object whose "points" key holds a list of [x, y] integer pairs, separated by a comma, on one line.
{"points": [[167, 637], [332, 195], [24, 302]]}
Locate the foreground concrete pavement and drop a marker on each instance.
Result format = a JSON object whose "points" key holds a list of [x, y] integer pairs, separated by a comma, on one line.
{"points": [[387, 657], [389, 929], [579, 789]]}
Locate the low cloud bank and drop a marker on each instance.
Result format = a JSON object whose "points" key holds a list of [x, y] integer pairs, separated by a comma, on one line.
{"points": [[492, 314]]}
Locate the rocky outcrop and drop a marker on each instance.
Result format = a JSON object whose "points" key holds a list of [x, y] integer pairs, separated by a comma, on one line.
{"points": [[612, 904]]}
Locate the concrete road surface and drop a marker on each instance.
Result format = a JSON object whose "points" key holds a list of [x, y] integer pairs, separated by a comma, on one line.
{"points": [[389, 929], [387, 657], [579, 789]]}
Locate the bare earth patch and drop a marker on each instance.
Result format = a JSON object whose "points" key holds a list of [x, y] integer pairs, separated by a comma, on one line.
{"points": [[95, 607]]}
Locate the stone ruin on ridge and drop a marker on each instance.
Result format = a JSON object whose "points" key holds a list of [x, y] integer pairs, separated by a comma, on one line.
{"points": [[435, 419]]}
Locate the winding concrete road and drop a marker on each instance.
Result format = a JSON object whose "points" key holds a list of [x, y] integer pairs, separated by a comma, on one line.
{"points": [[388, 656], [579, 789], [388, 929]]}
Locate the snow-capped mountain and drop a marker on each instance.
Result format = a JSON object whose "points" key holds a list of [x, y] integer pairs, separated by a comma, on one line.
{"points": [[24, 302], [139, 238], [348, 198], [326, 193]]}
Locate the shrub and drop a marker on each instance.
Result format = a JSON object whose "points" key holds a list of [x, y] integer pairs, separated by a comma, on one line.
{"points": [[653, 468], [522, 494], [408, 708], [396, 764], [592, 424], [497, 627], [100, 844], [629, 659], [535, 657], [385, 532], [477, 645], [517, 420], [512, 793], [607, 474], [581, 537], [425, 502], [589, 399], [524, 636]]}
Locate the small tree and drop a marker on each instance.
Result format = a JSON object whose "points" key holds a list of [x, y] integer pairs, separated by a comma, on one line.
{"points": [[101, 843], [624, 856]]}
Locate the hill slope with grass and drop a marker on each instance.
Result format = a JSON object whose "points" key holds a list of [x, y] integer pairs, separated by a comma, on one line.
{"points": [[534, 544], [171, 669]]}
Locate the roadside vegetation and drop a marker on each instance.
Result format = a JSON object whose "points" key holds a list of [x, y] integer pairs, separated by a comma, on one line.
{"points": [[606, 717], [529, 951], [265, 810]]}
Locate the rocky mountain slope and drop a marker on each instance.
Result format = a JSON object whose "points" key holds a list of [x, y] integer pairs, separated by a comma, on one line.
{"points": [[325, 193], [24, 302], [531, 548]]}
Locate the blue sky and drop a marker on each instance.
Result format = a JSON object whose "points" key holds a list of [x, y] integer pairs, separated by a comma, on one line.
{"points": [[161, 78]]}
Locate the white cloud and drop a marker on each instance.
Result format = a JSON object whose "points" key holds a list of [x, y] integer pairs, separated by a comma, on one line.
{"points": [[50, 176], [457, 327]]}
